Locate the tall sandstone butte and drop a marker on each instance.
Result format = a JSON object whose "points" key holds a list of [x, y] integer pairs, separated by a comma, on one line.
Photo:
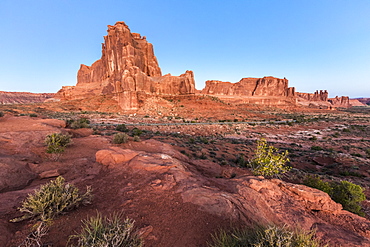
{"points": [[128, 71]]}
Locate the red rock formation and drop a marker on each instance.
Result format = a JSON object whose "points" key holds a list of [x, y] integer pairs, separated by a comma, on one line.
{"points": [[320, 99], [266, 86], [342, 101], [321, 95], [128, 71], [23, 97]]}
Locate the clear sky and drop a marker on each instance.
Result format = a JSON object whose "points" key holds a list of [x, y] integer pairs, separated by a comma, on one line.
{"points": [[316, 44]]}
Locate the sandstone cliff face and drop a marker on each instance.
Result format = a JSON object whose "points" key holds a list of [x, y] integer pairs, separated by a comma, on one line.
{"points": [[320, 99], [23, 97], [266, 86], [321, 95], [128, 71], [342, 101]]}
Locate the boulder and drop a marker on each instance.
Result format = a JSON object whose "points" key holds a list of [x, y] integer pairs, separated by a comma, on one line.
{"points": [[14, 175], [114, 156]]}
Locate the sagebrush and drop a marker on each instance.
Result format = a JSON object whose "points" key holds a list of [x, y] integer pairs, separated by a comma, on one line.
{"points": [[57, 142], [110, 231], [269, 236], [120, 138], [53, 199]]}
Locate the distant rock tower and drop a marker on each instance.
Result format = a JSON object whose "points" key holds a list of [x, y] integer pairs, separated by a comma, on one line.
{"points": [[128, 71]]}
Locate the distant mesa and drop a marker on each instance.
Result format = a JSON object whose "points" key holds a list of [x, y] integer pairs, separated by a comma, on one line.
{"points": [[271, 91], [129, 73], [24, 97]]}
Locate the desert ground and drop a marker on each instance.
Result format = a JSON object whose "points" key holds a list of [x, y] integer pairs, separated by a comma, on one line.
{"points": [[186, 175]]}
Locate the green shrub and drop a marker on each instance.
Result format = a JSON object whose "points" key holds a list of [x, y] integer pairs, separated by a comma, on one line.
{"points": [[241, 161], [1, 114], [136, 139], [33, 115], [317, 183], [356, 155], [120, 138], [270, 236], [316, 148], [108, 231], [367, 151], [346, 193], [137, 132], [349, 195], [52, 199], [79, 123], [267, 161], [122, 128], [57, 142]]}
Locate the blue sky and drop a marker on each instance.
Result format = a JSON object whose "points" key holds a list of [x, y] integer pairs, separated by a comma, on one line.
{"points": [[316, 44]]}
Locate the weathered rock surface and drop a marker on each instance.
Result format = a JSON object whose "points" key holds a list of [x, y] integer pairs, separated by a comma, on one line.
{"points": [[128, 71], [14, 175], [242, 199], [23, 97]]}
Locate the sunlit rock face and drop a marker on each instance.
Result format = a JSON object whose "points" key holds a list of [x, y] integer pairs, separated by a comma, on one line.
{"points": [[128, 71], [266, 86]]}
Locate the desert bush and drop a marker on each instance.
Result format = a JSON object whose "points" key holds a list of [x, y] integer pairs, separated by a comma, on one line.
{"points": [[136, 139], [78, 123], [270, 236], [349, 195], [122, 128], [1, 114], [33, 115], [57, 142], [53, 199], [367, 151], [316, 148], [317, 183], [137, 132], [267, 161], [120, 138], [241, 161], [108, 232], [346, 193]]}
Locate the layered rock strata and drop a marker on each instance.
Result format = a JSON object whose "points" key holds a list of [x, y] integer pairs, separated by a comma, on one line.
{"points": [[266, 86], [128, 71], [321, 95], [342, 101], [268, 91]]}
